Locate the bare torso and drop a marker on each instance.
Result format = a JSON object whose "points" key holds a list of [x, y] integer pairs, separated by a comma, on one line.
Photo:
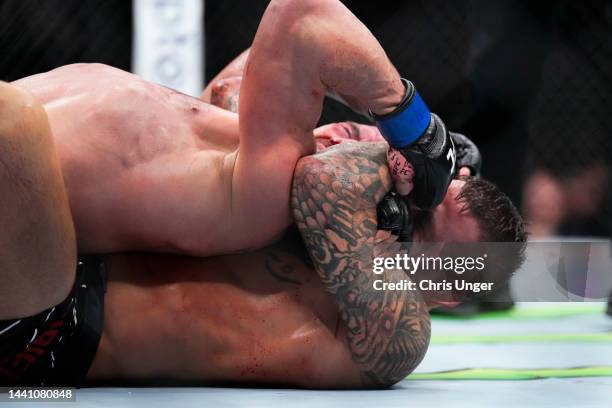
{"points": [[148, 168], [262, 317], [138, 159]]}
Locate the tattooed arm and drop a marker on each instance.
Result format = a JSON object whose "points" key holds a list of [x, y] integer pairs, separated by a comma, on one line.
{"points": [[334, 199]]}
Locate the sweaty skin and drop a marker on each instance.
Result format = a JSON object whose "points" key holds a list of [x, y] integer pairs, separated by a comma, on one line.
{"points": [[147, 168], [334, 200], [274, 315], [266, 316], [144, 164], [140, 161], [180, 318], [261, 317]]}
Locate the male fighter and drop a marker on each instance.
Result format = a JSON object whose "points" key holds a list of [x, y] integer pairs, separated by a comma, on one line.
{"points": [[147, 168], [259, 317], [263, 317], [38, 246]]}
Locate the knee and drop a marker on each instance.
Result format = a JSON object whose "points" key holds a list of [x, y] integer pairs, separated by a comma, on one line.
{"points": [[25, 135], [21, 115]]}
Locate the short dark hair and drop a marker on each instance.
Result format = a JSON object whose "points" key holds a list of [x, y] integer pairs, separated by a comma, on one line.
{"points": [[499, 221]]}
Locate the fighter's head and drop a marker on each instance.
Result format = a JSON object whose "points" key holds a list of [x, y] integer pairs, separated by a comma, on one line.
{"points": [[474, 210]]}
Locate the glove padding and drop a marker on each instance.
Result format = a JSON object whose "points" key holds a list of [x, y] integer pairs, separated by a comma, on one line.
{"points": [[433, 160], [394, 215], [467, 153]]}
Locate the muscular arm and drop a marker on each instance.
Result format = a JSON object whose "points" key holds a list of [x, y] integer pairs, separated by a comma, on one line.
{"points": [[231, 200], [334, 197], [301, 50]]}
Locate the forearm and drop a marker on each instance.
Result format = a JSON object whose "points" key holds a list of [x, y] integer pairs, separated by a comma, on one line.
{"points": [[353, 65], [334, 200], [304, 49]]}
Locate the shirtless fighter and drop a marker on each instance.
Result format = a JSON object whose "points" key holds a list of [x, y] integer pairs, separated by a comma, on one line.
{"points": [[147, 168], [270, 316], [264, 317], [258, 331]]}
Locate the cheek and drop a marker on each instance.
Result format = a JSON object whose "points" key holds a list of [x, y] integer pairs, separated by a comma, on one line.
{"points": [[469, 230], [461, 228], [440, 228]]}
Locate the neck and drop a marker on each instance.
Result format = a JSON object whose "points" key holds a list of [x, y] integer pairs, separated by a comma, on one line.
{"points": [[418, 235], [422, 226]]}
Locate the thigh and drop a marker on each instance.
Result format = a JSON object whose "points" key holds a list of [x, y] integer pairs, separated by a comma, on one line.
{"points": [[37, 243]]}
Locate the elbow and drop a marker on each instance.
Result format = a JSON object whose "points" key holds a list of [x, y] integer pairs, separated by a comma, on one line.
{"points": [[403, 356], [419, 344], [300, 19], [301, 8]]}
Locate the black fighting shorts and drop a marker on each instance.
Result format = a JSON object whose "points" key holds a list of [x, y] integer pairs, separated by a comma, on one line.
{"points": [[57, 346]]}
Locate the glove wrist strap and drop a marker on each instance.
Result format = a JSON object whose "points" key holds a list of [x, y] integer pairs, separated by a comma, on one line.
{"points": [[407, 122]]}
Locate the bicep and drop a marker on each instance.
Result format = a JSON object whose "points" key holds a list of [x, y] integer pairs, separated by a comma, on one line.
{"points": [[180, 204], [281, 95]]}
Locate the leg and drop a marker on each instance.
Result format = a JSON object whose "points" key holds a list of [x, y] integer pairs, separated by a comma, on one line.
{"points": [[302, 50], [37, 243]]}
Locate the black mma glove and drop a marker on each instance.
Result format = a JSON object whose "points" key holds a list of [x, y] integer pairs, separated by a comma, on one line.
{"points": [[467, 153], [394, 215], [434, 162]]}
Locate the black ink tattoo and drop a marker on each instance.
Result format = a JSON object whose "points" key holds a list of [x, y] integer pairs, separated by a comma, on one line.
{"points": [[334, 197], [279, 268], [283, 257]]}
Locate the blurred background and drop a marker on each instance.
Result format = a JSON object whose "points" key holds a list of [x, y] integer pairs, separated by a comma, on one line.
{"points": [[529, 82]]}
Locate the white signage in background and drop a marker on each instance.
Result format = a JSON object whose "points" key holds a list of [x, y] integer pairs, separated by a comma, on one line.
{"points": [[168, 43]]}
